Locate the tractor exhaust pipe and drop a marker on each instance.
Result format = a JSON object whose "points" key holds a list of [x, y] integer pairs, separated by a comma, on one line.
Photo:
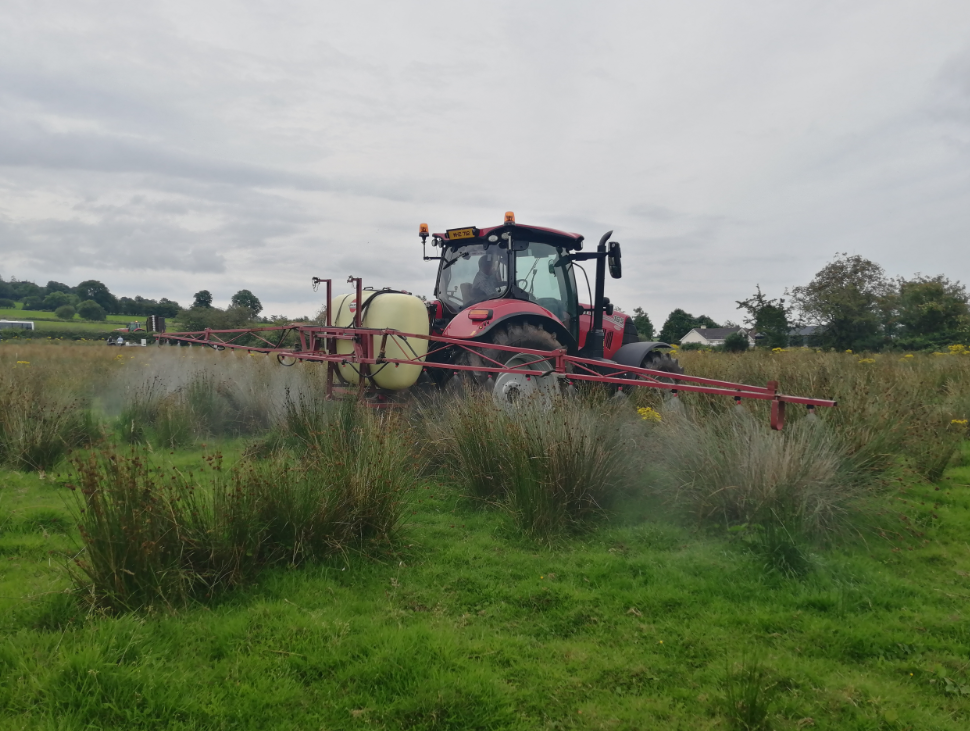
{"points": [[594, 344]]}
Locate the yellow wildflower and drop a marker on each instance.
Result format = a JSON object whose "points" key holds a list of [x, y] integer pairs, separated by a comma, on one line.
{"points": [[959, 422], [23, 362], [849, 352], [648, 414], [778, 350], [867, 360], [909, 355]]}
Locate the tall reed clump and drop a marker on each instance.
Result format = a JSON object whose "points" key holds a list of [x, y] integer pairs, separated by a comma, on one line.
{"points": [[204, 405], [40, 421], [553, 468], [891, 406], [370, 467], [146, 534], [731, 470], [749, 692], [159, 538]]}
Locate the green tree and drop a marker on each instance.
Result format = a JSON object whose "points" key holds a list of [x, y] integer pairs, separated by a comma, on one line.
{"points": [[851, 300], [203, 298], [91, 310], [768, 317], [679, 323], [642, 323], [64, 312], [92, 289], [23, 290], [53, 286], [56, 299], [931, 312], [736, 343], [167, 308], [246, 300], [199, 318]]}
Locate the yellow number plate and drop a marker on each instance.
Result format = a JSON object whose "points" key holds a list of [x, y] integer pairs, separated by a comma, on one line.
{"points": [[461, 233]]}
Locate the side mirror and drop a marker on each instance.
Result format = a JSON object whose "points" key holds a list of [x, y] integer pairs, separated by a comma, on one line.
{"points": [[607, 307], [613, 259]]}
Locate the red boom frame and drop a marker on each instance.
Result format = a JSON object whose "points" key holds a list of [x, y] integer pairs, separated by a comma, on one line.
{"points": [[318, 344]]}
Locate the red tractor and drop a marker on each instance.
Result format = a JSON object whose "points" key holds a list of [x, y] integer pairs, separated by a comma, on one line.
{"points": [[515, 285]]}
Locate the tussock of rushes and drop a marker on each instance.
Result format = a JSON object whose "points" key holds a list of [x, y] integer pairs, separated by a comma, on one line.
{"points": [[159, 538], [889, 408], [732, 470], [145, 534], [552, 469], [203, 407], [39, 422]]}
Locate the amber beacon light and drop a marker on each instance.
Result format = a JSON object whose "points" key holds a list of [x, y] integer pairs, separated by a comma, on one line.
{"points": [[509, 217]]}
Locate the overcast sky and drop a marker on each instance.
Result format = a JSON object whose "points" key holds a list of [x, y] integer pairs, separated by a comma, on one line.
{"points": [[164, 148]]}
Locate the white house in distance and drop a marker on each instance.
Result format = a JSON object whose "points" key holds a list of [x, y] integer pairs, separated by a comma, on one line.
{"points": [[711, 336]]}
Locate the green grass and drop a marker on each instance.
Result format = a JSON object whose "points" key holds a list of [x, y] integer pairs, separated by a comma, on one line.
{"points": [[466, 624]]}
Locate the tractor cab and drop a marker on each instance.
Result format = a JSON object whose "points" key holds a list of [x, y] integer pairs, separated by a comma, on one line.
{"points": [[509, 262]]}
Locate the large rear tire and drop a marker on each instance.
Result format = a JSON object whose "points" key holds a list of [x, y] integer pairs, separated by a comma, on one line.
{"points": [[661, 362], [508, 388]]}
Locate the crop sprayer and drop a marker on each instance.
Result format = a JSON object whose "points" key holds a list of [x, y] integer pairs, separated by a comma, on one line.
{"points": [[506, 317]]}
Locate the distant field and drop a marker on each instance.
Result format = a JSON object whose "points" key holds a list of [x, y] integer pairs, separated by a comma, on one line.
{"points": [[47, 321]]}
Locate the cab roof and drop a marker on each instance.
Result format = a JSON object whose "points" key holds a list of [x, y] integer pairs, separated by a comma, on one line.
{"points": [[538, 234]]}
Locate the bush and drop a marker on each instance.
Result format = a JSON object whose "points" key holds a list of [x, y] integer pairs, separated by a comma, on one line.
{"points": [[65, 312], [8, 304], [91, 310], [736, 343]]}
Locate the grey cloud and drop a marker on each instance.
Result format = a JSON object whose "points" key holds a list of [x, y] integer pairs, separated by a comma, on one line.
{"points": [[37, 148], [64, 246]]}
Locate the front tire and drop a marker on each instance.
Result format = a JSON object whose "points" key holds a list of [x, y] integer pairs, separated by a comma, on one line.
{"points": [[509, 388]]}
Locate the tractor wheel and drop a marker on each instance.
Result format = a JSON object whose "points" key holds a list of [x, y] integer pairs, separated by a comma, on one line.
{"points": [[661, 362], [508, 388]]}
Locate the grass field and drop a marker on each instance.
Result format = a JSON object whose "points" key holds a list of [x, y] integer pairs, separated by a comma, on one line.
{"points": [[47, 321], [642, 619]]}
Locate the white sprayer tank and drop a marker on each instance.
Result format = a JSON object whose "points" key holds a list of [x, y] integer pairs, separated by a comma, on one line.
{"points": [[388, 311]]}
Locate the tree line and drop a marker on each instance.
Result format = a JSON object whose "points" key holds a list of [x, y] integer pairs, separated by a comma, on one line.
{"points": [[851, 304], [92, 300]]}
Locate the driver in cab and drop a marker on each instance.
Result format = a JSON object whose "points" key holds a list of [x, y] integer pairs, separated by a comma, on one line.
{"points": [[487, 282]]}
